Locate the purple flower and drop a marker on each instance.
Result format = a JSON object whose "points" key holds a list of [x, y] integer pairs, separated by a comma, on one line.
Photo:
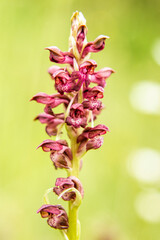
{"points": [[97, 45], [77, 116], [56, 214], [61, 154], [52, 122], [93, 93], [64, 183], [90, 138], [90, 132], [100, 76], [50, 100], [63, 81], [57, 56], [88, 67], [83, 75]]}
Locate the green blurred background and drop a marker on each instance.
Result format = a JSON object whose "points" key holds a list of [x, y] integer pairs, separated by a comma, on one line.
{"points": [[117, 205]]}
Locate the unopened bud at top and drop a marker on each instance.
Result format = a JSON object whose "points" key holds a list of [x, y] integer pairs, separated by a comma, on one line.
{"points": [[78, 33]]}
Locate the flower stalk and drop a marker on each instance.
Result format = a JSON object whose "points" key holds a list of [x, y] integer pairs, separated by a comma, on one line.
{"points": [[82, 105]]}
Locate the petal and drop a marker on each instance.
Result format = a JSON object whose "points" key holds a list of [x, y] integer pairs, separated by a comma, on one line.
{"points": [[41, 98], [100, 76], [49, 145], [44, 117], [97, 45], [56, 55], [48, 208], [94, 143]]}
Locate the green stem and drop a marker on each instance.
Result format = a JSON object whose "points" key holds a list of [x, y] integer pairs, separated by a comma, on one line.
{"points": [[75, 161], [73, 222], [73, 230]]}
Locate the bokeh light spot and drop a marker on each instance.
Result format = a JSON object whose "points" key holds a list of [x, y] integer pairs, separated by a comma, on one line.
{"points": [[147, 205], [145, 97], [144, 165]]}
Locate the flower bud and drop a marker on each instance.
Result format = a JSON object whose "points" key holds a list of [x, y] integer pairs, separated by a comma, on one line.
{"points": [[77, 38]]}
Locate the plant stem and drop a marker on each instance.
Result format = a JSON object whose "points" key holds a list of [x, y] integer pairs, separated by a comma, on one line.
{"points": [[73, 230], [75, 161], [73, 222]]}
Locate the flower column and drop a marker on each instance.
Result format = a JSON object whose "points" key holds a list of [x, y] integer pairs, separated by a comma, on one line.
{"points": [[81, 106]]}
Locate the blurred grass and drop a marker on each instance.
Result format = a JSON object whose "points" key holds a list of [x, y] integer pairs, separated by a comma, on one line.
{"points": [[26, 28]]}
